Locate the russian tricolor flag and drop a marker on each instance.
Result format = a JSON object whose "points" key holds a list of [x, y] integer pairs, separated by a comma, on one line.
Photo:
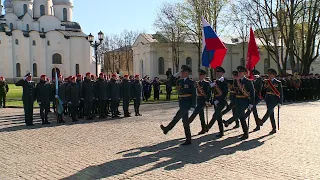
{"points": [[214, 50]]}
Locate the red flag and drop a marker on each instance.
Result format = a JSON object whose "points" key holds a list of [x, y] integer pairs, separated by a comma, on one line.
{"points": [[253, 55]]}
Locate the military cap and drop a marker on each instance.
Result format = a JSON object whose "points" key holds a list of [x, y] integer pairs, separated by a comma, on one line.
{"points": [[126, 75], [101, 74], [69, 77], [202, 72], [242, 69], [255, 72], [235, 73], [88, 73], [79, 75], [272, 71], [137, 75], [42, 76], [28, 74], [185, 68], [220, 69], [114, 75], [73, 77], [60, 76], [1, 77]]}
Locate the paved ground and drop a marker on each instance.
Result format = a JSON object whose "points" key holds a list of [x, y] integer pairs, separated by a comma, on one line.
{"points": [[135, 148]]}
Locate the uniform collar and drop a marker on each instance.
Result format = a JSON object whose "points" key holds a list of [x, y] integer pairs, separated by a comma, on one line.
{"points": [[186, 78]]}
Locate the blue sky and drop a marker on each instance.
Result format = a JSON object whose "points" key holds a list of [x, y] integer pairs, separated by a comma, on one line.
{"points": [[113, 16]]}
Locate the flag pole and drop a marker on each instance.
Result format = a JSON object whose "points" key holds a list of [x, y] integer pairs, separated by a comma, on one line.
{"points": [[57, 101]]}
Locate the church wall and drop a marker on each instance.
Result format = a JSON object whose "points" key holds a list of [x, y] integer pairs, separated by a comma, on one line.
{"points": [[49, 23], [37, 53], [20, 52], [5, 53], [58, 12], [18, 7], [11, 18], [79, 54]]}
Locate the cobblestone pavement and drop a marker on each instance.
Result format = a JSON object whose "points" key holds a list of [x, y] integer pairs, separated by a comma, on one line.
{"points": [[135, 148]]}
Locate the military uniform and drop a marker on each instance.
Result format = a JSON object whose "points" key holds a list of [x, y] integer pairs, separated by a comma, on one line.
{"points": [[4, 88], [62, 93], [125, 94], [28, 98], [73, 98], [88, 92], [156, 89], [136, 95], [81, 104], [101, 95], [203, 99], [187, 99], [274, 96], [114, 96], [244, 99], [168, 89], [220, 91], [44, 91], [146, 89]]}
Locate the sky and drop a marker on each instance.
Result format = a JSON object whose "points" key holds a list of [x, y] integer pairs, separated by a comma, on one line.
{"points": [[114, 16]]}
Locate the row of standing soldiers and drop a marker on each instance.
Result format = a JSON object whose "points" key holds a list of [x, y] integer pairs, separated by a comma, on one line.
{"points": [[81, 97]]}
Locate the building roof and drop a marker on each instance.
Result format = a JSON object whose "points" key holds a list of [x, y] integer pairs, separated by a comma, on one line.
{"points": [[71, 25], [4, 27], [73, 33]]}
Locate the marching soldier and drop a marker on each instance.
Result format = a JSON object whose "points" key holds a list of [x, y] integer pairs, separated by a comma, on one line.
{"points": [[137, 94], [232, 97], [274, 96], [4, 88], [88, 96], [114, 95], [125, 94], [73, 97], [101, 95], [258, 85], [244, 99], [81, 105], [28, 97], [203, 100], [187, 101], [220, 91], [44, 91]]}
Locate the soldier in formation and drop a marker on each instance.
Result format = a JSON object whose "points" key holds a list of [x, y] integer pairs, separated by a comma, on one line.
{"points": [[4, 89]]}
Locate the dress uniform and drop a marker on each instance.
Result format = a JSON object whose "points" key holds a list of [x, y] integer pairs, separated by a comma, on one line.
{"points": [[81, 105], [44, 91], [125, 94], [4, 88], [62, 93], [168, 89], [156, 89], [258, 85], [88, 92], [187, 100], [114, 86], [232, 96], [101, 95], [203, 100], [244, 99], [274, 96], [28, 97], [137, 94], [220, 91], [73, 98]]}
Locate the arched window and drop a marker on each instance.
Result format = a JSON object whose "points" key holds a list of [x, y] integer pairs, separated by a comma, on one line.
{"points": [[34, 43], [189, 62], [11, 26], [35, 70], [27, 27], [56, 59], [42, 11], [48, 43], [161, 65], [17, 42], [18, 70], [65, 14], [25, 9], [77, 69]]}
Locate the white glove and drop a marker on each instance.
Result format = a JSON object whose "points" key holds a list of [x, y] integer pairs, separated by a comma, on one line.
{"points": [[216, 102], [70, 102], [24, 78], [81, 99], [208, 104], [212, 84], [250, 106], [176, 74], [192, 109], [56, 96]]}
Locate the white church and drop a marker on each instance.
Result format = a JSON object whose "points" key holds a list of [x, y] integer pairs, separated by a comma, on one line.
{"points": [[39, 36]]}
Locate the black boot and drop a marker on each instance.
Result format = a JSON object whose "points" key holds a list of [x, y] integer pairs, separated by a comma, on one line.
{"points": [[187, 142], [244, 137], [126, 114], [164, 129]]}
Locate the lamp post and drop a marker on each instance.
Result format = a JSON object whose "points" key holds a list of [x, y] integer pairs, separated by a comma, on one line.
{"points": [[95, 45]]}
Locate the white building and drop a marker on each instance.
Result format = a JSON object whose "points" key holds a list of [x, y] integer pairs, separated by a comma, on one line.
{"points": [[38, 36], [152, 55]]}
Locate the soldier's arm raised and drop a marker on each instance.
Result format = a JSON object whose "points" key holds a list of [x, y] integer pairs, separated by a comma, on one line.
{"points": [[20, 82]]}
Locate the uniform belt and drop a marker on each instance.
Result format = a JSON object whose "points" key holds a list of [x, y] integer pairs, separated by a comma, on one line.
{"points": [[217, 95], [240, 96], [201, 95], [271, 93], [232, 92], [185, 95]]}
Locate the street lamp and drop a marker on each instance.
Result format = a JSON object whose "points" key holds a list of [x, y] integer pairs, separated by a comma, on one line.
{"points": [[95, 45]]}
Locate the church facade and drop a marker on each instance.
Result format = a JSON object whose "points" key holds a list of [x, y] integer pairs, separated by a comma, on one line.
{"points": [[39, 36]]}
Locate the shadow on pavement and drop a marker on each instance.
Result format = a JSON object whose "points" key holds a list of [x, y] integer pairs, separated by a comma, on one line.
{"points": [[203, 149]]}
